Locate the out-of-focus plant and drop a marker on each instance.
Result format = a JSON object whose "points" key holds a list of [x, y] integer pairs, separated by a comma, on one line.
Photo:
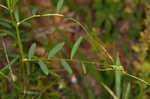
{"points": [[142, 65]]}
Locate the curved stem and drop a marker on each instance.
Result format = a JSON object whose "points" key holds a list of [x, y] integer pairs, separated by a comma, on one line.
{"points": [[137, 78], [109, 91], [36, 16], [83, 27]]}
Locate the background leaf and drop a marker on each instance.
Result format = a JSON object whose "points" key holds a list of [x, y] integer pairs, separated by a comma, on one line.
{"points": [[32, 50], [34, 9], [127, 91], [66, 66], [84, 68], [16, 13], [43, 67], [76, 46], [59, 5], [5, 24], [56, 49]]}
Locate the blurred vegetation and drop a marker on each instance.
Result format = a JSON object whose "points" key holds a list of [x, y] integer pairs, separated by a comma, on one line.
{"points": [[90, 49]]}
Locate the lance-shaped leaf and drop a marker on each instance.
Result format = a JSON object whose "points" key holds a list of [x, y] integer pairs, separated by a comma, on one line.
{"points": [[43, 67], [56, 49], [66, 66], [5, 24], [59, 5], [34, 10], [16, 13], [76, 46], [3, 34], [7, 32], [126, 92], [32, 50], [118, 78], [84, 68]]}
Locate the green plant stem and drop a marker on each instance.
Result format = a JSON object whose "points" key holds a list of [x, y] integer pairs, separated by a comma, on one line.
{"points": [[36, 16], [109, 91], [137, 78], [119, 68], [14, 23], [19, 42], [58, 59], [21, 52], [88, 62], [74, 20]]}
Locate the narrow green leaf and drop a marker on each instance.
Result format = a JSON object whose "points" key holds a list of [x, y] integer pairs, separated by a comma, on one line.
{"points": [[118, 79], [67, 17], [27, 24], [5, 24], [3, 34], [56, 49], [10, 64], [110, 91], [32, 50], [76, 46], [34, 10], [59, 5], [28, 66], [9, 33], [66, 66], [90, 67], [84, 68], [127, 91], [5, 20], [16, 13], [88, 89], [43, 67]]}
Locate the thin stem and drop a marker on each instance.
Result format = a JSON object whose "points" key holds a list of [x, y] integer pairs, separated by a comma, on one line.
{"points": [[83, 27], [21, 53], [18, 34], [19, 42], [58, 59], [107, 69], [3, 6], [109, 91], [35, 16], [89, 62], [12, 18], [137, 78], [6, 55]]}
